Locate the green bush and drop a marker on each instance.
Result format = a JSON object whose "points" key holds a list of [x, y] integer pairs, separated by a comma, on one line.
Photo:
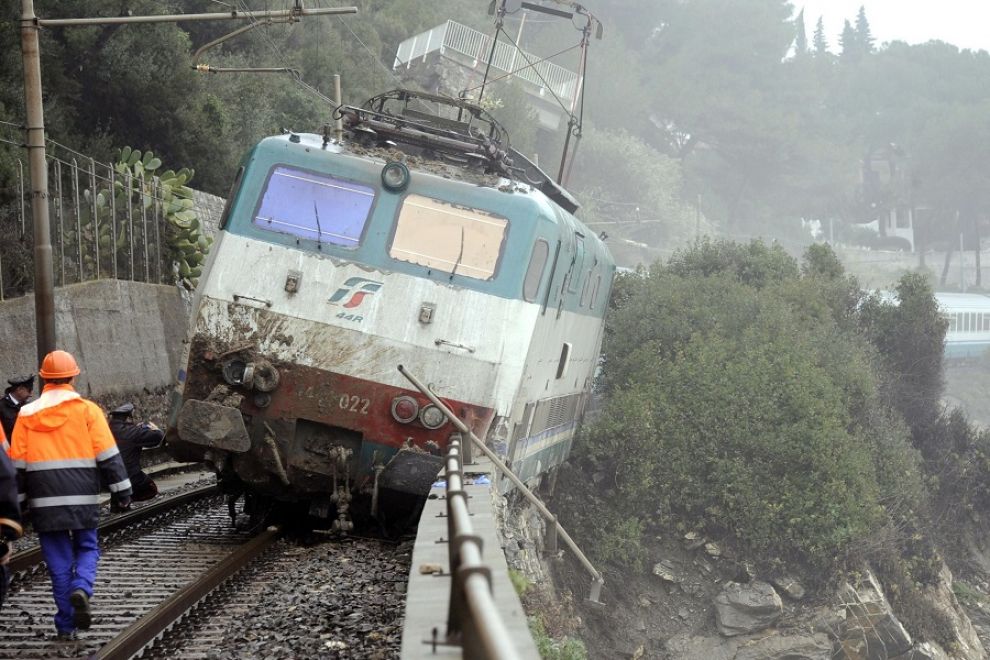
{"points": [[567, 648], [519, 582], [743, 397]]}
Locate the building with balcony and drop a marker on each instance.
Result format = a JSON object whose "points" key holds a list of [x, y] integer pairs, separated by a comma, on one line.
{"points": [[451, 58]]}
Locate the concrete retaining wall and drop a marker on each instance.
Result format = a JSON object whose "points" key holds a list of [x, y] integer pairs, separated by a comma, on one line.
{"points": [[127, 336]]}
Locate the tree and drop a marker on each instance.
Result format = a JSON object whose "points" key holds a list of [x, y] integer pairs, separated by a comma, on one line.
{"points": [[864, 38], [849, 42], [820, 41], [801, 36], [910, 338], [740, 399], [607, 180]]}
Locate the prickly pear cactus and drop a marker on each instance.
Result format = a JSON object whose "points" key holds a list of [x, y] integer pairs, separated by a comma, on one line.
{"points": [[149, 217], [187, 244]]}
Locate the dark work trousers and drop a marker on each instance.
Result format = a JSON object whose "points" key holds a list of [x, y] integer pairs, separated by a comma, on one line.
{"points": [[71, 557]]}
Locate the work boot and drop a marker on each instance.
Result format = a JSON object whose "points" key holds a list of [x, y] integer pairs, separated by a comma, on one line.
{"points": [[80, 609], [146, 491], [66, 636]]}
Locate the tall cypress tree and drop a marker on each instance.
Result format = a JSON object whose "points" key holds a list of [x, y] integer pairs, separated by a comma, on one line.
{"points": [[864, 37], [801, 37], [820, 42], [848, 42]]}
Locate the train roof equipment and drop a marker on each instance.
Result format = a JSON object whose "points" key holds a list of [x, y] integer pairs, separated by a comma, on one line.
{"points": [[457, 132]]}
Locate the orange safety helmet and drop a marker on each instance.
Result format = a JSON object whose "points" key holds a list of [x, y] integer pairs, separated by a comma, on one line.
{"points": [[58, 364]]}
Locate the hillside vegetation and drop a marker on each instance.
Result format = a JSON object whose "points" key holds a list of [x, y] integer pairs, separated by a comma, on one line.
{"points": [[777, 408]]}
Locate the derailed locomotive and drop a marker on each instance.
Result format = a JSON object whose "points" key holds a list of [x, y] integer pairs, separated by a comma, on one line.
{"points": [[404, 237]]}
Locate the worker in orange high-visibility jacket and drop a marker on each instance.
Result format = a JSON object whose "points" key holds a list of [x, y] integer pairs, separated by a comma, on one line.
{"points": [[61, 444]]}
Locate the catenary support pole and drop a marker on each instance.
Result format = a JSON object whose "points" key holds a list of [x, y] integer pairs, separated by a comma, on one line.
{"points": [[44, 278]]}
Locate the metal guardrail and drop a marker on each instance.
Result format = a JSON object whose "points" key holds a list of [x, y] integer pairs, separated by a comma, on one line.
{"points": [[476, 45], [472, 615], [554, 529]]}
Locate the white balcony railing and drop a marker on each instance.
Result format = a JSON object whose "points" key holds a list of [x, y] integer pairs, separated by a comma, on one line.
{"points": [[468, 42]]}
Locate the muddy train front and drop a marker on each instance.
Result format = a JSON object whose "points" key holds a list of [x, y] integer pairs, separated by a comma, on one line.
{"points": [[294, 427], [290, 388], [325, 277]]}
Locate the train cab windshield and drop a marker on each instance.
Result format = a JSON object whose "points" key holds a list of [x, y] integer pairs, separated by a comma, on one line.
{"points": [[419, 231], [448, 237], [314, 206]]}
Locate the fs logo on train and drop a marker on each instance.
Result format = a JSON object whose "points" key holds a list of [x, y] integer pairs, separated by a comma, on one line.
{"points": [[353, 294]]}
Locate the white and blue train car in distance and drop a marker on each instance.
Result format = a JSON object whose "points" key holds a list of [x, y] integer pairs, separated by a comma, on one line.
{"points": [[968, 315]]}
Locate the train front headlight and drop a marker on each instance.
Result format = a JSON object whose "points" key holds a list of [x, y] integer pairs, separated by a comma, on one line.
{"points": [[395, 177], [404, 409], [432, 417]]}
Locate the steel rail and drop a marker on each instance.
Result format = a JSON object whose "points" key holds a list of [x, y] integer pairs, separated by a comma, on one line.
{"points": [[151, 625], [28, 559], [555, 528]]}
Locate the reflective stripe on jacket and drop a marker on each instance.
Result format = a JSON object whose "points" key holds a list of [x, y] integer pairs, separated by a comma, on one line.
{"points": [[61, 444]]}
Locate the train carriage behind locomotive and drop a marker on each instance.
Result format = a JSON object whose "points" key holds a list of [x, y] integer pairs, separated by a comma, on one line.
{"points": [[340, 259]]}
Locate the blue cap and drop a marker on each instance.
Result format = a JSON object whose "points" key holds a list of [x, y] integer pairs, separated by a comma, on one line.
{"points": [[125, 409]]}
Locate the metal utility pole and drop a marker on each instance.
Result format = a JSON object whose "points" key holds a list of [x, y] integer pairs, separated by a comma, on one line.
{"points": [[44, 274], [962, 262], [44, 278]]}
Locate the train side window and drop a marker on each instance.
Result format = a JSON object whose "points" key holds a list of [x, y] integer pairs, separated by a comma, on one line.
{"points": [[953, 322], [574, 276], [550, 287], [986, 323], [534, 274], [594, 292], [447, 237], [565, 358], [314, 206], [586, 291]]}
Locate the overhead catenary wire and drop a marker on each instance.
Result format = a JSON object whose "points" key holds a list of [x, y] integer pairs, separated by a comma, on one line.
{"points": [[532, 64], [523, 68], [297, 77]]}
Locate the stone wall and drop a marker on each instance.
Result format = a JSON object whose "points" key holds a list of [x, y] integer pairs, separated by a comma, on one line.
{"points": [[127, 336]]}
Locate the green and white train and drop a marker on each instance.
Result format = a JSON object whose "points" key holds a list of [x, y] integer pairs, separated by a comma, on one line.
{"points": [[406, 238]]}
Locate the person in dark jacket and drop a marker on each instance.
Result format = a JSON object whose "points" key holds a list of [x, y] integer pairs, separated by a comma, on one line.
{"points": [[14, 397], [60, 447], [10, 513], [132, 438]]}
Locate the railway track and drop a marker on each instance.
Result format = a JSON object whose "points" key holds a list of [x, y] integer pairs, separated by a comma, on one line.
{"points": [[29, 559], [338, 599], [146, 558], [343, 598]]}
